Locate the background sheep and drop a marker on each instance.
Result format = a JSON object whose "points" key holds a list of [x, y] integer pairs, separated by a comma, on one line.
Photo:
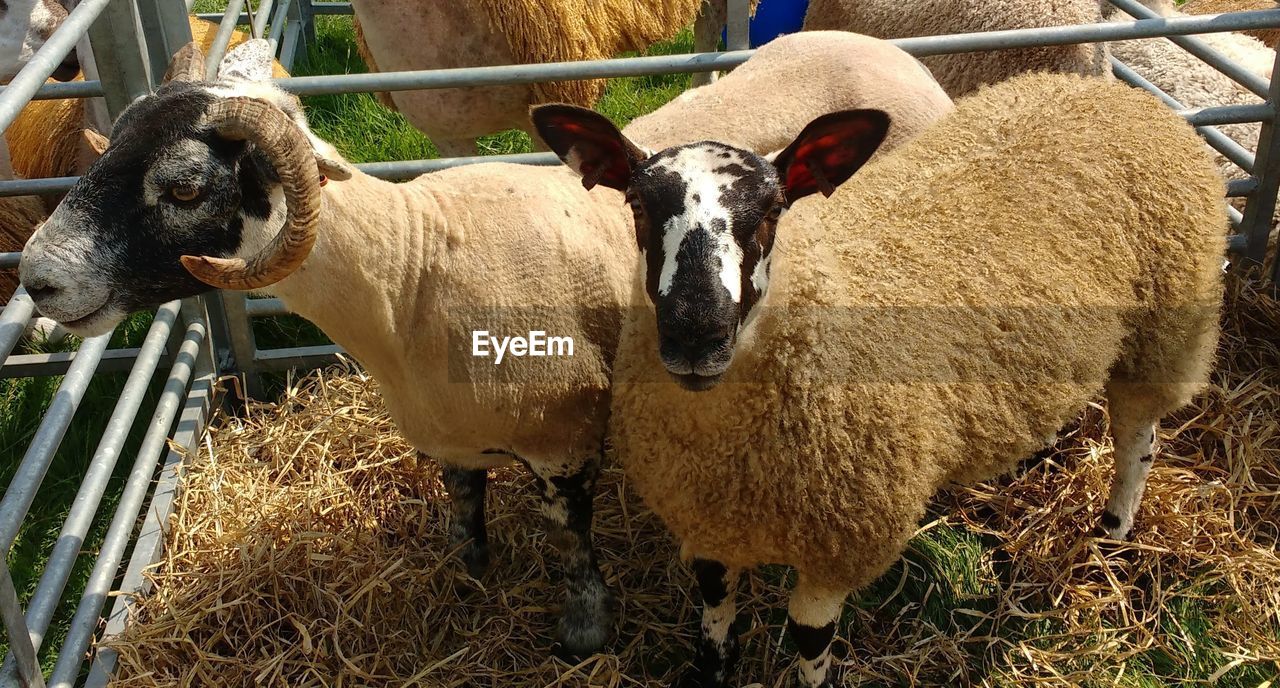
{"points": [[962, 73], [1268, 36], [24, 27], [400, 35], [423, 265], [1194, 83], [1076, 251]]}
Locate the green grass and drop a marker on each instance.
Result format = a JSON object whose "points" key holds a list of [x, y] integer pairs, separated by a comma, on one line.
{"points": [[946, 562]]}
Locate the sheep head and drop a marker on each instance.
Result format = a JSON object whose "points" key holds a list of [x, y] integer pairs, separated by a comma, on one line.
{"points": [[204, 183], [25, 25], [705, 217]]}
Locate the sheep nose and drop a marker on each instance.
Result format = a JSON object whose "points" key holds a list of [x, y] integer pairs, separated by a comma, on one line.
{"points": [[40, 288], [694, 345]]}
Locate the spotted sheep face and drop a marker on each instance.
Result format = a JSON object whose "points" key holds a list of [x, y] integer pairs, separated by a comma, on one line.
{"points": [[167, 186], [706, 215], [25, 25]]}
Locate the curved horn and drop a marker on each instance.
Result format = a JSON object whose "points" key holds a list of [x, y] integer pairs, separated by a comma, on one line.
{"points": [[187, 64], [284, 144]]}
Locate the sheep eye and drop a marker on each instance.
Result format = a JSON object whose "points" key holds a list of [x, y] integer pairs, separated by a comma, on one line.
{"points": [[185, 194], [637, 208], [775, 212]]}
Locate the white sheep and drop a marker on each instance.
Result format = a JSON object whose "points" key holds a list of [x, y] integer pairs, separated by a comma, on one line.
{"points": [[415, 280], [961, 73], [25, 25], [796, 391]]}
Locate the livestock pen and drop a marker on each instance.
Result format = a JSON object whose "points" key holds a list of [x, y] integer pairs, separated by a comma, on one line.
{"points": [[190, 346]]}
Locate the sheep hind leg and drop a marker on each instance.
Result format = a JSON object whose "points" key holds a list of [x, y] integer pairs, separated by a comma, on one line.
{"points": [[811, 621], [467, 534], [587, 618], [716, 655]]}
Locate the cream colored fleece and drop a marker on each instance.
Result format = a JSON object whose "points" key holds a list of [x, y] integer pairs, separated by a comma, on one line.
{"points": [[792, 80], [936, 320], [962, 73]]}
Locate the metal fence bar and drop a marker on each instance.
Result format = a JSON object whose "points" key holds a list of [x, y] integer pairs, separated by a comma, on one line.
{"points": [[57, 569], [57, 363], [278, 22], [21, 491], [1227, 114], [19, 635], [1219, 141], [13, 321], [150, 541], [69, 89], [738, 27], [47, 59], [165, 29], [1261, 207], [1200, 49], [1241, 187], [260, 18], [222, 39], [304, 357], [85, 622], [119, 50]]}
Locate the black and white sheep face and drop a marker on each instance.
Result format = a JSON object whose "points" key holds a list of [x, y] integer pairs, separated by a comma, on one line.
{"points": [[166, 187], [706, 215], [25, 25]]}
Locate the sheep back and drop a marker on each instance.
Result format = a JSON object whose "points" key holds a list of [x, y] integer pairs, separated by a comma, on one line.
{"points": [[962, 73], [792, 80], [936, 320]]}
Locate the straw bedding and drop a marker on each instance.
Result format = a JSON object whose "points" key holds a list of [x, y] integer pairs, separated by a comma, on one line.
{"points": [[308, 548]]}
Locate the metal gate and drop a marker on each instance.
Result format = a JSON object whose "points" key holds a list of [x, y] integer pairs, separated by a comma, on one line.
{"points": [[193, 342]]}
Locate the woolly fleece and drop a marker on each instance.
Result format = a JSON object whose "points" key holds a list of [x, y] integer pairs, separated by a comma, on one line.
{"points": [[936, 320], [1268, 36], [962, 73], [792, 80]]}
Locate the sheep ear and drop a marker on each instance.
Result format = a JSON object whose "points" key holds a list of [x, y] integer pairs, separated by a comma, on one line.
{"points": [[588, 143], [829, 150], [187, 64], [250, 61]]}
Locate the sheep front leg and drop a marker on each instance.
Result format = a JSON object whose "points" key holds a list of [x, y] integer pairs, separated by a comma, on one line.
{"points": [[811, 621], [589, 605], [467, 533], [1133, 453], [716, 655]]}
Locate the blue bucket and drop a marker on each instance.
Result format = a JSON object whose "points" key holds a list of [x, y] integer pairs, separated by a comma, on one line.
{"points": [[774, 18]]}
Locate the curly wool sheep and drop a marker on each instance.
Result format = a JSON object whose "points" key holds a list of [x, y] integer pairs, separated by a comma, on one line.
{"points": [[411, 279], [962, 73], [796, 391]]}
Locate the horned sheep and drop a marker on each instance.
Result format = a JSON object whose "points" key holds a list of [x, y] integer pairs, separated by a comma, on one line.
{"points": [[796, 391], [405, 277]]}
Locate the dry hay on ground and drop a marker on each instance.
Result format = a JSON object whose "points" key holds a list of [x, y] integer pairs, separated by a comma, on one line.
{"points": [[309, 549]]}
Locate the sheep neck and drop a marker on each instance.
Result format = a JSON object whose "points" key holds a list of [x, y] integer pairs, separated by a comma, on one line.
{"points": [[373, 241]]}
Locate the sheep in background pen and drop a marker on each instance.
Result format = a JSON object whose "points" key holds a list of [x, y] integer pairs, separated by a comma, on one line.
{"points": [[404, 275], [402, 35], [794, 389], [1268, 36], [962, 73]]}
